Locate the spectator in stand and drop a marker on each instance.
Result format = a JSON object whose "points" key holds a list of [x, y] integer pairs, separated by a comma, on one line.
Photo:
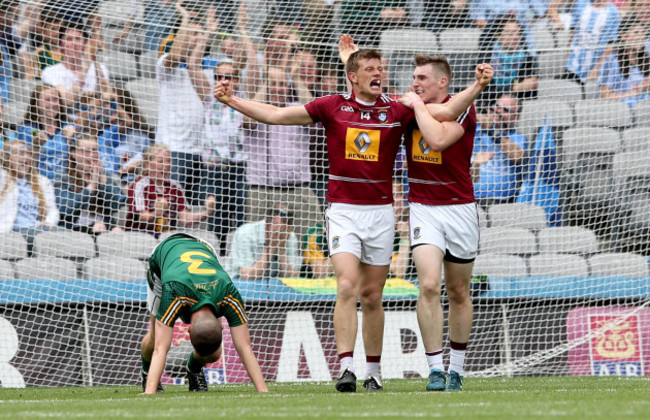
{"points": [[9, 45], [499, 151], [27, 203], [515, 68], [156, 202], [267, 248], [485, 13], [625, 73], [315, 257], [278, 167], [42, 129], [183, 89], [364, 20], [595, 25], [438, 15], [225, 158], [5, 62], [80, 71], [159, 19], [317, 27], [87, 196], [49, 51]]}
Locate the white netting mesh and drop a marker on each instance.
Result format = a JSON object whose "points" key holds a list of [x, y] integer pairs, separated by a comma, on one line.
{"points": [[107, 107]]}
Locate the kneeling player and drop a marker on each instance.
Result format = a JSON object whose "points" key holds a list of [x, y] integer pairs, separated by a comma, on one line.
{"points": [[185, 280]]}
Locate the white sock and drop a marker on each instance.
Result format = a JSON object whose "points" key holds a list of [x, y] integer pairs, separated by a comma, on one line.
{"points": [[372, 369], [457, 361], [435, 361], [347, 363]]}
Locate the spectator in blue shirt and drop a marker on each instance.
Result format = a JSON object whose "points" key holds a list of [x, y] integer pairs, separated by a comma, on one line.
{"points": [[499, 151], [595, 24], [42, 130], [625, 73], [5, 74]]}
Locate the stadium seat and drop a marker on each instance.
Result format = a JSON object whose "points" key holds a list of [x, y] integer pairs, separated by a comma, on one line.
{"points": [[500, 265], [641, 111], [544, 40], [552, 63], [619, 264], [14, 112], [587, 174], [514, 241], [64, 244], [517, 215], [136, 245], [636, 140], [534, 112], [408, 40], [146, 93], [631, 218], [122, 66], [559, 90], [21, 90], [559, 265], [6, 270], [46, 268], [205, 235], [13, 246], [602, 113], [461, 47], [567, 240], [115, 268]]}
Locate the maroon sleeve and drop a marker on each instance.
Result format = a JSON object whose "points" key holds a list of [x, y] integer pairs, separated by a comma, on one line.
{"points": [[467, 118], [318, 109]]}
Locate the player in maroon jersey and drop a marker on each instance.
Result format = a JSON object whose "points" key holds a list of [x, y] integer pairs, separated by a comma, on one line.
{"points": [[443, 218], [364, 130]]}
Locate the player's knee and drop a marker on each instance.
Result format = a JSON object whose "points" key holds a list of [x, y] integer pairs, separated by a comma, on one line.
{"points": [[458, 294], [347, 289], [371, 299], [430, 289]]}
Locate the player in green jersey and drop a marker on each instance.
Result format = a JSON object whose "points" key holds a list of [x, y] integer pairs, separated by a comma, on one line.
{"points": [[186, 280]]}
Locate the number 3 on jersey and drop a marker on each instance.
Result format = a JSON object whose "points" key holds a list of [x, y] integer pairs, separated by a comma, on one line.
{"points": [[195, 263]]}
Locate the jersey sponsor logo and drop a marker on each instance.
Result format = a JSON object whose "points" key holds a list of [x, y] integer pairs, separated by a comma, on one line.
{"points": [[382, 115], [347, 108], [422, 152], [362, 144]]}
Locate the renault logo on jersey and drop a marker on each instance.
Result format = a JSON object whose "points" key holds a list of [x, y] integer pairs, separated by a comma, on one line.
{"points": [[362, 144], [422, 152]]}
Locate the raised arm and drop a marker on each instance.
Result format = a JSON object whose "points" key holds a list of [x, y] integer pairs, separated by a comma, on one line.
{"points": [[264, 113], [242, 340], [451, 109], [162, 342]]}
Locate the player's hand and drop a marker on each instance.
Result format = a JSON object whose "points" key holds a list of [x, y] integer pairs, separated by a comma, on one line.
{"points": [[223, 91], [346, 48], [409, 98], [211, 21], [484, 73]]}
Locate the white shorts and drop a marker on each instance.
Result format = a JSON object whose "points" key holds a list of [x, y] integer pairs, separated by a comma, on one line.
{"points": [[153, 302], [454, 229], [366, 231]]}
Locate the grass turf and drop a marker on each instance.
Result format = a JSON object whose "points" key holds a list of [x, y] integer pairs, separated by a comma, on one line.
{"points": [[499, 398]]}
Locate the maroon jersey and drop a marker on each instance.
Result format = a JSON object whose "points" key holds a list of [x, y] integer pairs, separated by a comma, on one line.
{"points": [[362, 142], [441, 178], [142, 196]]}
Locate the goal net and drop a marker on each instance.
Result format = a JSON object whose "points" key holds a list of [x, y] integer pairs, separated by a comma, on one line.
{"points": [[112, 141]]}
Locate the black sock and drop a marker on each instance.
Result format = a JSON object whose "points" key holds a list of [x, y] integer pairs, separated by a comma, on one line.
{"points": [[194, 365], [145, 364]]}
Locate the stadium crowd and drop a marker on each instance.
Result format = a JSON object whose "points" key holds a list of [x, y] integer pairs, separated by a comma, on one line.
{"points": [[84, 157]]}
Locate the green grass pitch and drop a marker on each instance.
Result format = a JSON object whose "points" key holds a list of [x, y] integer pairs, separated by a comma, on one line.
{"points": [[496, 398]]}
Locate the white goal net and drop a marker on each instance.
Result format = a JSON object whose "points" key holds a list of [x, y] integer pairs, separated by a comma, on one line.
{"points": [[112, 140]]}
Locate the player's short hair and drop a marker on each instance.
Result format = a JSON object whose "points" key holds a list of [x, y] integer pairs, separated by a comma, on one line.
{"points": [[438, 62], [353, 62], [205, 335]]}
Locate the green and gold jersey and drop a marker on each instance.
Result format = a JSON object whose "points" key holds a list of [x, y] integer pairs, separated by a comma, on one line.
{"points": [[185, 275]]}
